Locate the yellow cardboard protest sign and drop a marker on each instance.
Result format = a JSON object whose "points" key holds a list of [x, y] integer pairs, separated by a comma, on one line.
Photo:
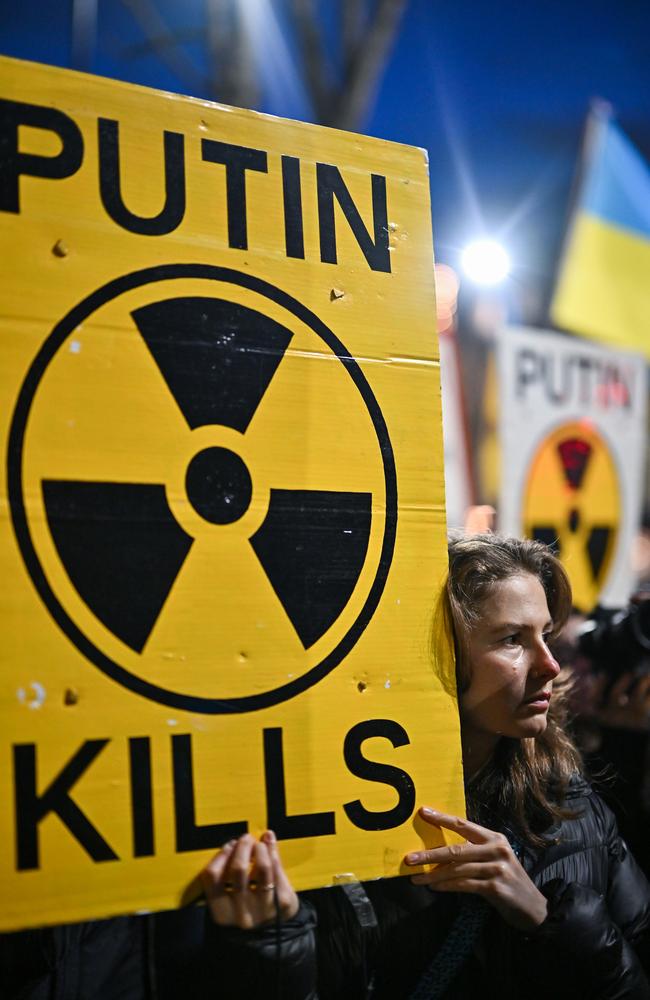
{"points": [[222, 505]]}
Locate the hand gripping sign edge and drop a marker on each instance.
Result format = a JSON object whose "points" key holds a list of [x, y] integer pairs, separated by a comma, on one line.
{"points": [[16, 441]]}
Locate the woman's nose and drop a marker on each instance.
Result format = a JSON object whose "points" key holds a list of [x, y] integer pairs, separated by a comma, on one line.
{"points": [[545, 663]]}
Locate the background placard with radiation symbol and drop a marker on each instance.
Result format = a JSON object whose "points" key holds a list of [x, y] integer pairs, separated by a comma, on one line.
{"points": [[223, 503], [572, 503], [571, 435]]}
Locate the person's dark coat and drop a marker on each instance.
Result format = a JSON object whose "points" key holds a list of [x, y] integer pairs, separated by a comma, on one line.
{"points": [[149, 957]]}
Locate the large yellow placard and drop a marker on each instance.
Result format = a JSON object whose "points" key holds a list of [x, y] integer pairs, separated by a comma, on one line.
{"points": [[222, 501]]}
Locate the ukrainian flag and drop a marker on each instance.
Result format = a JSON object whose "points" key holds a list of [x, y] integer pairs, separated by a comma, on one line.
{"points": [[603, 290]]}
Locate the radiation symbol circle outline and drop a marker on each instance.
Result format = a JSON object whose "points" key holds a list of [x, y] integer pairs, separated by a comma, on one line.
{"points": [[574, 446], [16, 441]]}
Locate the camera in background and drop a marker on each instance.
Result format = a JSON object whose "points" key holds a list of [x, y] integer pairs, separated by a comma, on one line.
{"points": [[617, 640]]}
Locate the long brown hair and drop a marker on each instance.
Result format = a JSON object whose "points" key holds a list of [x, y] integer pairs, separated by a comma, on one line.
{"points": [[525, 782]]}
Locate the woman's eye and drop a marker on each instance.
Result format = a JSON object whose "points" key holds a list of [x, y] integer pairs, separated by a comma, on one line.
{"points": [[511, 640]]}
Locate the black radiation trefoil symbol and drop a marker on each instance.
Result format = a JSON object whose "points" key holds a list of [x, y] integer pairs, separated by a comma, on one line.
{"points": [[574, 455], [199, 344], [312, 544]]}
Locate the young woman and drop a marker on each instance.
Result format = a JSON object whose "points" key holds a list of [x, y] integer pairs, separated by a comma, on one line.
{"points": [[542, 897]]}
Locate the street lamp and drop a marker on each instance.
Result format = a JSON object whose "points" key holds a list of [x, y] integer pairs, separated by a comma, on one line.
{"points": [[485, 262]]}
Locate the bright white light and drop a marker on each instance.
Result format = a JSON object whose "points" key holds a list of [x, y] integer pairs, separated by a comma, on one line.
{"points": [[485, 262]]}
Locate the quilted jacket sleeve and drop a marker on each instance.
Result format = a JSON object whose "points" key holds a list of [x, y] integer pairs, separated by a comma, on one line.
{"points": [[585, 946], [275, 962], [628, 895], [598, 926]]}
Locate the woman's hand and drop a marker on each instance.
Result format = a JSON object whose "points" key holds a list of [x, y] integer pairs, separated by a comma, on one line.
{"points": [[245, 882], [484, 864]]}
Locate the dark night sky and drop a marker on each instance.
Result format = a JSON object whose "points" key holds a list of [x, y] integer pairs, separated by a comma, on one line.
{"points": [[497, 92]]}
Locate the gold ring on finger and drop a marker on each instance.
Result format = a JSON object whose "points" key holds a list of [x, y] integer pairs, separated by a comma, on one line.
{"points": [[269, 887]]}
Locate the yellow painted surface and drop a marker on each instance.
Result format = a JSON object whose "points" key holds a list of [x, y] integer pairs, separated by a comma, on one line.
{"points": [[352, 407], [584, 515]]}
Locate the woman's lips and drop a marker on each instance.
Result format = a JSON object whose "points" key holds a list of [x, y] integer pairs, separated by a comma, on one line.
{"points": [[539, 702]]}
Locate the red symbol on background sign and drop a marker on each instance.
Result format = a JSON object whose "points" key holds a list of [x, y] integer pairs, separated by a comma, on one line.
{"points": [[574, 455]]}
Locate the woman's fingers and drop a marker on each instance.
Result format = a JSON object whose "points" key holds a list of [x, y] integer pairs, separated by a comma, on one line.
{"points": [[252, 900], [279, 875], [212, 874], [284, 891], [480, 844], [456, 853], [239, 864], [486, 865], [245, 882], [262, 874], [470, 831], [478, 886], [261, 877], [451, 873]]}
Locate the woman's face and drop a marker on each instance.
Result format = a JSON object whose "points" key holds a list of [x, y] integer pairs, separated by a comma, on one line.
{"points": [[511, 667]]}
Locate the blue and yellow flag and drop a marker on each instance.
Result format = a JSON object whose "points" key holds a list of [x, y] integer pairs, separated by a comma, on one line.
{"points": [[603, 289]]}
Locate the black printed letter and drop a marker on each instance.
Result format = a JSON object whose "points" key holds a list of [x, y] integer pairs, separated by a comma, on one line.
{"points": [[189, 836], [237, 160], [292, 194], [330, 184], [384, 773], [529, 368], [109, 183], [141, 796], [288, 827], [32, 808], [13, 114]]}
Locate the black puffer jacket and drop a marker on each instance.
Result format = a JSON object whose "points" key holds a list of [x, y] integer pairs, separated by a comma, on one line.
{"points": [[594, 942]]}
